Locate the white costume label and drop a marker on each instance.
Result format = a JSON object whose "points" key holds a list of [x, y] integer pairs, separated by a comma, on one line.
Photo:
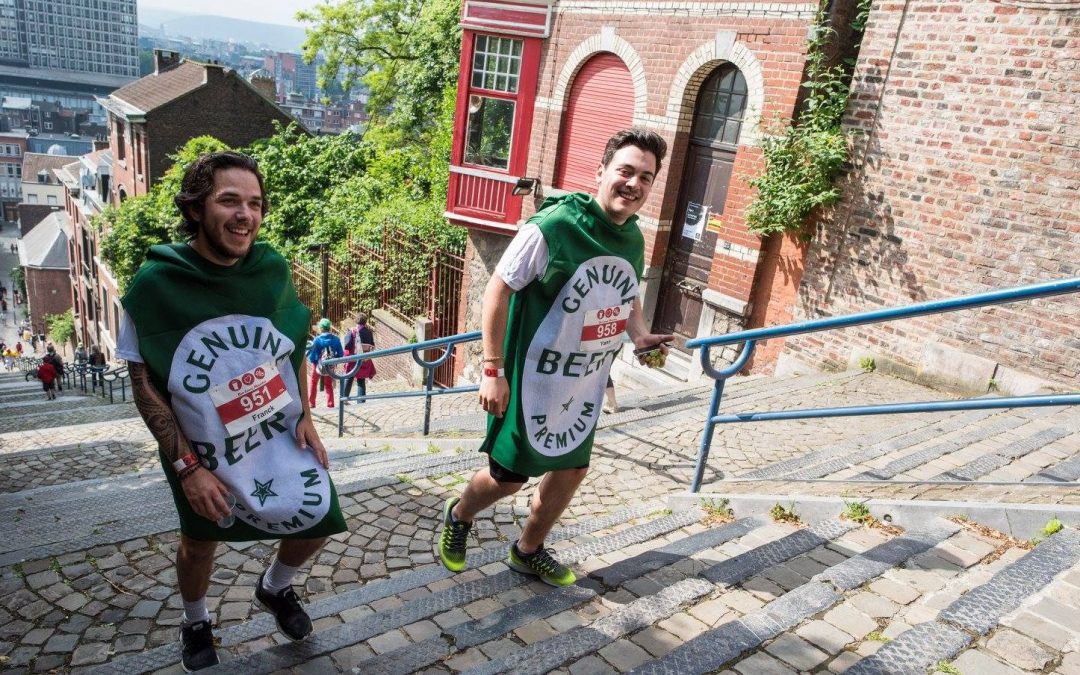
{"points": [[250, 397], [603, 327], [568, 359], [240, 360]]}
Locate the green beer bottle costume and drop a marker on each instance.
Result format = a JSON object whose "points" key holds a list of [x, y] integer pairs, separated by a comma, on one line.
{"points": [[224, 345], [563, 331]]}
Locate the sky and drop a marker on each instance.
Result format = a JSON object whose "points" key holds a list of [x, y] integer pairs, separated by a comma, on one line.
{"points": [[267, 11]]}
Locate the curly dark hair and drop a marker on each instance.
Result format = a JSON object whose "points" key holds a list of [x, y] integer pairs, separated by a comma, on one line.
{"points": [[198, 184], [644, 139]]}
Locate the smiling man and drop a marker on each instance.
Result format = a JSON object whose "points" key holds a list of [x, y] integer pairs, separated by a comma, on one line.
{"points": [[214, 336], [553, 318]]}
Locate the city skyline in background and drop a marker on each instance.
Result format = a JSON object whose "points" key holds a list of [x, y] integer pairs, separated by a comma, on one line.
{"points": [[281, 12]]}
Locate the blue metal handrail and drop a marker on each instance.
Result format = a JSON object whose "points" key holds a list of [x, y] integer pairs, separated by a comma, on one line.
{"points": [[445, 344], [749, 339]]}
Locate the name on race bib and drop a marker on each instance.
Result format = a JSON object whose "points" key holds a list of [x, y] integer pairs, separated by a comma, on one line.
{"points": [[248, 398], [603, 327]]}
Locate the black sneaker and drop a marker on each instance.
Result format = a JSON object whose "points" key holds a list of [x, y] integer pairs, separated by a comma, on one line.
{"points": [[293, 622], [197, 646]]}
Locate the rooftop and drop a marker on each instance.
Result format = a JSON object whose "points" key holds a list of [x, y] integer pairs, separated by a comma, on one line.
{"points": [[155, 90], [34, 163]]}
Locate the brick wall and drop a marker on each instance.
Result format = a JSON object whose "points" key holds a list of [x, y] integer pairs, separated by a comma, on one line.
{"points": [[670, 47], [965, 180]]}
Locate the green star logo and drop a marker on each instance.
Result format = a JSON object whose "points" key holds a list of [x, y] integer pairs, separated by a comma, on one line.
{"points": [[263, 491]]}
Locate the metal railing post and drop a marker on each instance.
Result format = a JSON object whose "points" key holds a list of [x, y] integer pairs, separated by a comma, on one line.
{"points": [[429, 375], [721, 377]]}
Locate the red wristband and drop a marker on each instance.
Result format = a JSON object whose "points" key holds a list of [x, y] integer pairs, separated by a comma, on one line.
{"points": [[187, 461], [494, 372]]}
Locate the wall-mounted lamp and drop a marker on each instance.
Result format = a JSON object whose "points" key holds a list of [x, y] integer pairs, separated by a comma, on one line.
{"points": [[525, 186]]}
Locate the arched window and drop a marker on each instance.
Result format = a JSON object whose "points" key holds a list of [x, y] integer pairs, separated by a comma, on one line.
{"points": [[721, 104]]}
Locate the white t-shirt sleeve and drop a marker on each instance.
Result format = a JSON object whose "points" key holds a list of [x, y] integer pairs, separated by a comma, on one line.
{"points": [[525, 259], [127, 343]]}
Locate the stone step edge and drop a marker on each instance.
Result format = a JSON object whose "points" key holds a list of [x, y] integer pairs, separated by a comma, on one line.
{"points": [[45, 500], [1022, 521], [167, 520], [976, 612], [554, 651], [368, 447], [493, 626], [263, 624], [725, 644]]}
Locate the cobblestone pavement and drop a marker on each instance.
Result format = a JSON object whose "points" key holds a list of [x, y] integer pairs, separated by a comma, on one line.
{"points": [[673, 592]]}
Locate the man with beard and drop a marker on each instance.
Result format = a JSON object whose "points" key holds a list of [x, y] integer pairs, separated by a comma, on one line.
{"points": [[553, 318], [214, 336]]}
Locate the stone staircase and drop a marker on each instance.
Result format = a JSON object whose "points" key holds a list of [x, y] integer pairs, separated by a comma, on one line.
{"points": [[667, 583]]}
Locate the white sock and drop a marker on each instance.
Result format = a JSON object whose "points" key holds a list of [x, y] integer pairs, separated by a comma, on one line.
{"points": [[278, 576], [195, 611]]}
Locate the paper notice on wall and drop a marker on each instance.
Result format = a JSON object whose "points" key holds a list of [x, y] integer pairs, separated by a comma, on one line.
{"points": [[694, 223]]}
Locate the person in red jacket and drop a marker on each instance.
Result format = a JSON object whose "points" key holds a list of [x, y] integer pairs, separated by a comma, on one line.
{"points": [[46, 372]]}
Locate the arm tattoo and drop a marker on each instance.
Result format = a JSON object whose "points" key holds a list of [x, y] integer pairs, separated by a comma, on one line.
{"points": [[157, 414]]}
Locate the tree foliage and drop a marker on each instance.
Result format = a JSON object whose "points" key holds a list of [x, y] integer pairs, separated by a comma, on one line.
{"points": [[322, 189], [61, 327]]}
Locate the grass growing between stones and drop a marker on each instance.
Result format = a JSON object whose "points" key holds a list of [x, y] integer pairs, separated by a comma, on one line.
{"points": [[948, 668], [717, 511], [782, 514]]}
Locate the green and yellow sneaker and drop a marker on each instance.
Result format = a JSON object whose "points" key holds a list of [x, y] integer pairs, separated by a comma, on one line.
{"points": [[541, 564], [453, 540]]}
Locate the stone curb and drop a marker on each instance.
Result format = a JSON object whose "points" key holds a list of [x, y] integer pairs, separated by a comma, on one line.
{"points": [[1022, 521]]}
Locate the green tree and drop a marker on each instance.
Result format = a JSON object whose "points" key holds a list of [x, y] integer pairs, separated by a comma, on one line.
{"points": [[405, 51], [301, 173], [61, 327]]}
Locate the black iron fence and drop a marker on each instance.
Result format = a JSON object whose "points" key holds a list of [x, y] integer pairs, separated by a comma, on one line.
{"points": [[398, 273]]}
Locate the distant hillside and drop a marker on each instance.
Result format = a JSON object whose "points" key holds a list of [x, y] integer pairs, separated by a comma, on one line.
{"points": [[281, 38]]}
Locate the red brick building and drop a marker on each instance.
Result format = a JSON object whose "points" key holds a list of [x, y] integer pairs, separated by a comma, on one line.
{"points": [[155, 116], [966, 179], [543, 87], [149, 120], [43, 255]]}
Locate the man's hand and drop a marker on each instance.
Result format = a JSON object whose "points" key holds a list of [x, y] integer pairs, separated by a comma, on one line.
{"points": [[207, 495], [650, 340], [308, 438], [494, 395]]}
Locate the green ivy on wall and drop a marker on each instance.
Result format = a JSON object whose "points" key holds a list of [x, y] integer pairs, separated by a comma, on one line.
{"points": [[803, 158]]}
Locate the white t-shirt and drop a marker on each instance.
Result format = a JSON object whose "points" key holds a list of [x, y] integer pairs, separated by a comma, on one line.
{"points": [[127, 343], [525, 259]]}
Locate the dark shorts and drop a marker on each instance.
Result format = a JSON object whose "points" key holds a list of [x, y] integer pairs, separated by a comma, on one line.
{"points": [[48, 386], [503, 475]]}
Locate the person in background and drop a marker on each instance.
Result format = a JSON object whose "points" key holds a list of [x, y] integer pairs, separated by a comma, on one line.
{"points": [[359, 339], [325, 345]]}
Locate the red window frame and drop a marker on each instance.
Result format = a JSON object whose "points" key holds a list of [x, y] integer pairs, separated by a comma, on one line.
{"points": [[525, 101]]}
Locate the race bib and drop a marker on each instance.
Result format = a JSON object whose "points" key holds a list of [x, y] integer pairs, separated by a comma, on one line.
{"points": [[250, 397], [603, 328]]}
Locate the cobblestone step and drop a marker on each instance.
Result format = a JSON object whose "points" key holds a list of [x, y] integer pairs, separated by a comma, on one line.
{"points": [[1065, 472], [487, 630], [96, 519], [893, 440], [727, 643], [990, 435], [448, 597], [979, 611], [97, 414], [989, 462]]}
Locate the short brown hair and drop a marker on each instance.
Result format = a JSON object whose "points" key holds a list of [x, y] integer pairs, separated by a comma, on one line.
{"points": [[361, 319], [641, 138], [198, 184]]}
